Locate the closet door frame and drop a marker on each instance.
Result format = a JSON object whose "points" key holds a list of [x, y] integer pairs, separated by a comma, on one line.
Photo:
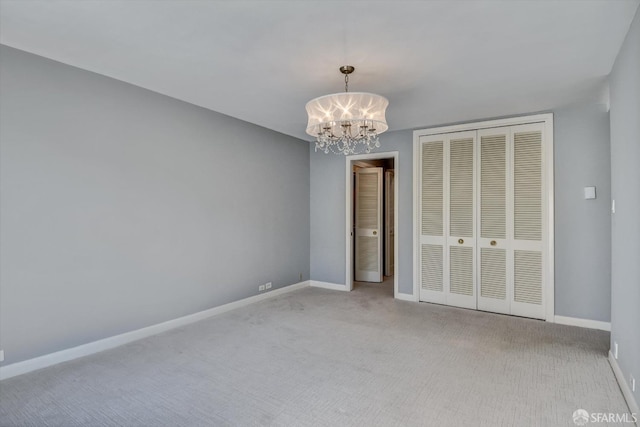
{"points": [[547, 191]]}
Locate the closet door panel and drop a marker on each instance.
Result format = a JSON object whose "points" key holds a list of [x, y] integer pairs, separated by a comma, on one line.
{"points": [[432, 216], [460, 219], [528, 268], [527, 186], [433, 188], [492, 295], [432, 269], [461, 277], [461, 187], [493, 184], [528, 277], [494, 220]]}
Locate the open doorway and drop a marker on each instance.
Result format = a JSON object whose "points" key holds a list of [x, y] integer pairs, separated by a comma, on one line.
{"points": [[371, 222]]}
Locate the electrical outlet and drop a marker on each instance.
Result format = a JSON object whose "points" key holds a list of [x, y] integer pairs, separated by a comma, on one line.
{"points": [[1, 355], [260, 288], [633, 384], [301, 277], [268, 285], [615, 350]]}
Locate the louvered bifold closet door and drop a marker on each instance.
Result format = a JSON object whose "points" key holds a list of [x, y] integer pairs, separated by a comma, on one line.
{"points": [[528, 225], [460, 220], [494, 283], [431, 219], [483, 213], [447, 215]]}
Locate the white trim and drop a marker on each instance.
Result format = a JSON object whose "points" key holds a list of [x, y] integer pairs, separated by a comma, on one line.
{"points": [[405, 297], [624, 386], [50, 359], [523, 120], [395, 155], [583, 323], [327, 285], [417, 157], [547, 120], [550, 232]]}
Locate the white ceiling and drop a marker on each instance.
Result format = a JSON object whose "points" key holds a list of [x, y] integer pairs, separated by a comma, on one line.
{"points": [[261, 61]]}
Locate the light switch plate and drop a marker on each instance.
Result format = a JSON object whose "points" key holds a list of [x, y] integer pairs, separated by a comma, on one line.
{"points": [[589, 193]]}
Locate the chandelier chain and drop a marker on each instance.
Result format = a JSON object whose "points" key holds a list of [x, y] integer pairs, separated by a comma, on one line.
{"points": [[346, 82]]}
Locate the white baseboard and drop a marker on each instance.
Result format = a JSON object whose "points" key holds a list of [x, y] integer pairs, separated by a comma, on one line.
{"points": [[624, 386], [405, 297], [46, 360], [327, 285], [583, 323]]}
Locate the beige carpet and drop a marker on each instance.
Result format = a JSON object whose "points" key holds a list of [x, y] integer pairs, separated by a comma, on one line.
{"points": [[316, 357]]}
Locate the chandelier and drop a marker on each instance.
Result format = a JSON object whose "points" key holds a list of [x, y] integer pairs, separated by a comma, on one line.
{"points": [[347, 123]]}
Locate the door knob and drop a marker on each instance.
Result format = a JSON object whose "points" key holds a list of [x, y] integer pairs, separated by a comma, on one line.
{"points": [[493, 243], [375, 232], [460, 241]]}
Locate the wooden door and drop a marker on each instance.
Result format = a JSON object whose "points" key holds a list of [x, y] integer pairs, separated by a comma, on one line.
{"points": [[368, 225]]}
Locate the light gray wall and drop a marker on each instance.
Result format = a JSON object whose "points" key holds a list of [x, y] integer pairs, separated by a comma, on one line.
{"points": [[122, 208], [328, 205], [327, 216], [582, 281], [624, 83], [582, 227]]}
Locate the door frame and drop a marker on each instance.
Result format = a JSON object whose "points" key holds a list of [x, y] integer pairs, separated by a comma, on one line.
{"points": [[395, 155], [548, 194], [387, 267]]}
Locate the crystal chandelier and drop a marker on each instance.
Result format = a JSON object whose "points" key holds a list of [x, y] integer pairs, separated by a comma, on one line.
{"points": [[347, 123]]}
